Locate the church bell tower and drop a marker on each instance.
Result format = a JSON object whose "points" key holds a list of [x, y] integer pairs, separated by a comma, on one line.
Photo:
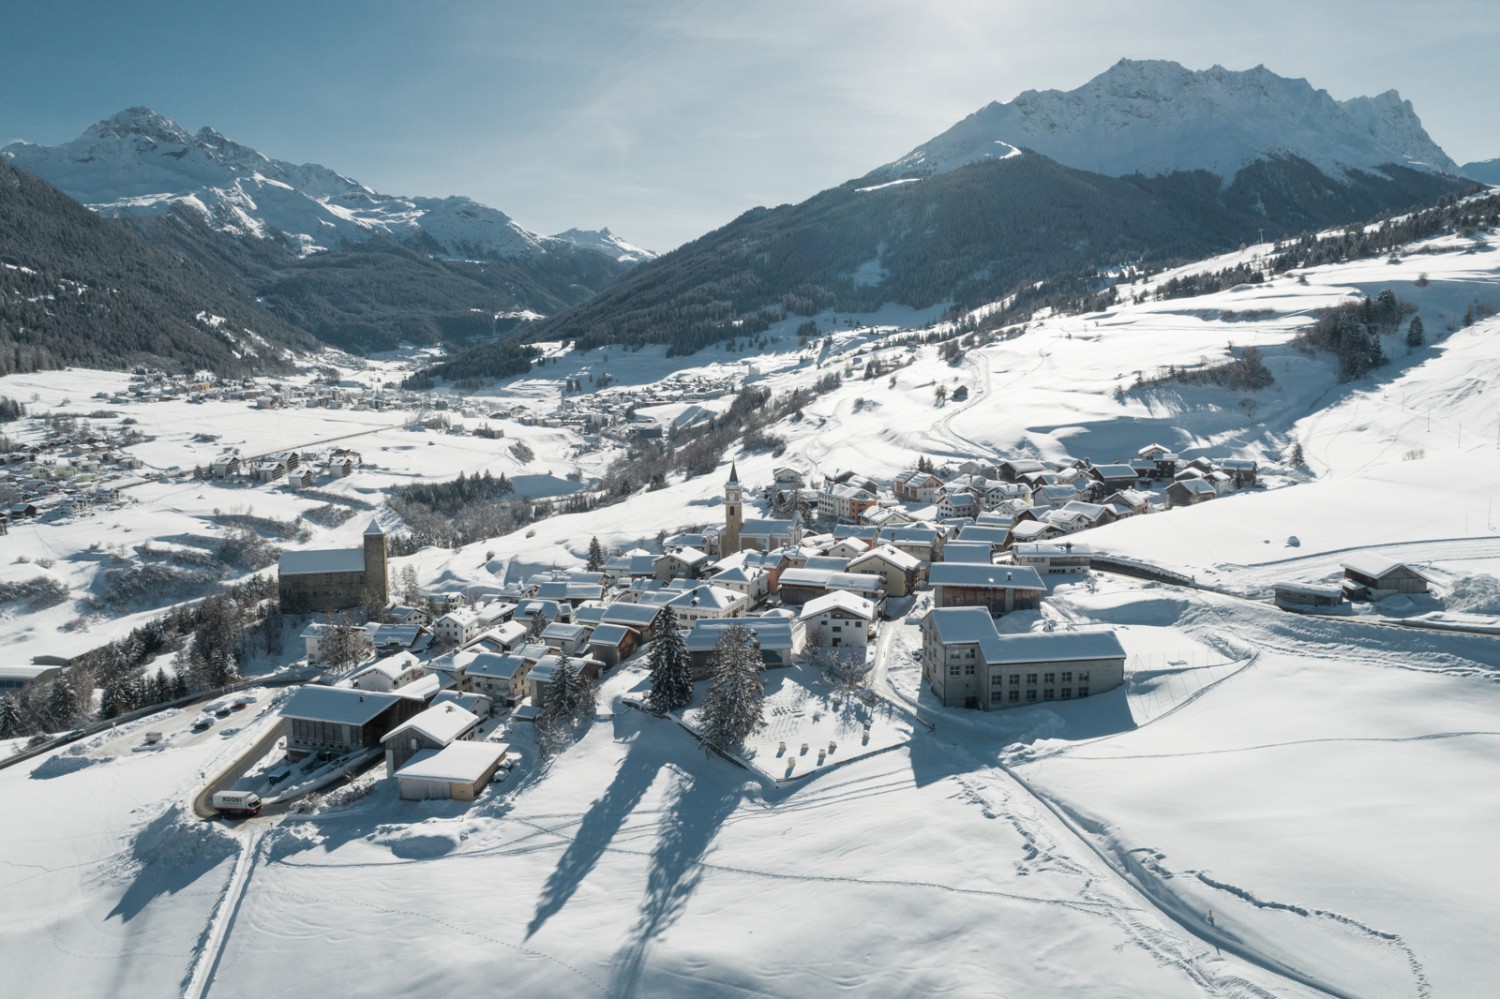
{"points": [[734, 513]]}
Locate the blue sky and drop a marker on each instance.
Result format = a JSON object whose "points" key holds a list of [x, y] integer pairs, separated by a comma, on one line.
{"points": [[664, 120]]}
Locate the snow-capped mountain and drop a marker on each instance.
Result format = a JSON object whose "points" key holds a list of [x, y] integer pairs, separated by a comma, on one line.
{"points": [[1155, 117], [139, 162], [607, 242]]}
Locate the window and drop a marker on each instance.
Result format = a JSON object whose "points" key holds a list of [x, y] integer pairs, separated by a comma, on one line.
{"points": [[1067, 678], [997, 680], [996, 696], [1031, 695], [968, 669], [1031, 679], [1083, 691], [1050, 678], [953, 670], [1048, 694], [1083, 677], [1015, 679], [1015, 696], [1067, 693]]}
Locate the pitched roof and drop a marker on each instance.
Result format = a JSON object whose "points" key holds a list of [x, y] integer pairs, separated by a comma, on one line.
{"points": [[322, 560], [442, 723], [456, 763], [993, 577], [841, 600], [343, 705]]}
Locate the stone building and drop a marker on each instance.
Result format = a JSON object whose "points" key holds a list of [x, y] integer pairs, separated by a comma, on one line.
{"points": [[336, 578]]}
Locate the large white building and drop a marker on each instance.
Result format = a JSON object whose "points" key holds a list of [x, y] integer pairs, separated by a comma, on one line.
{"points": [[970, 665]]}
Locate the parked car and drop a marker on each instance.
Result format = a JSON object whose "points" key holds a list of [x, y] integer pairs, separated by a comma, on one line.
{"points": [[203, 724], [222, 713]]}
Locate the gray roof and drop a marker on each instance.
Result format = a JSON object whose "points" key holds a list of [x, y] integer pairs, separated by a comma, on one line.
{"points": [[1055, 646], [456, 763], [769, 632], [322, 560], [610, 635], [337, 704], [994, 577]]}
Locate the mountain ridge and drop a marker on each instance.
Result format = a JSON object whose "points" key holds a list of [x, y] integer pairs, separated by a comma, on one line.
{"points": [[1156, 117], [139, 162]]}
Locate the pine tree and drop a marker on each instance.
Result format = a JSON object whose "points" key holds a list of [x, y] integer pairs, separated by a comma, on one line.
{"points": [[1295, 457], [179, 686], [671, 678], [536, 626], [1416, 333], [569, 699], [735, 703], [596, 555], [61, 705], [10, 718]]}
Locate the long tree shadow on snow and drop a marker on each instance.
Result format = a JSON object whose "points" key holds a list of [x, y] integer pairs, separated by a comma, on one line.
{"points": [[698, 807], [603, 819]]}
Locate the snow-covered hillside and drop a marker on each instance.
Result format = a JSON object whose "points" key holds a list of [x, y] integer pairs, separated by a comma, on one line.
{"points": [[1156, 117], [140, 162], [1273, 805]]}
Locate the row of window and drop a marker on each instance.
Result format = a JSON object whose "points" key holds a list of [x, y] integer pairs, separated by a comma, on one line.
{"points": [[997, 679], [1047, 694]]}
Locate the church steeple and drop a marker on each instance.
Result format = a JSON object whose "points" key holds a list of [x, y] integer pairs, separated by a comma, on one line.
{"points": [[734, 513]]}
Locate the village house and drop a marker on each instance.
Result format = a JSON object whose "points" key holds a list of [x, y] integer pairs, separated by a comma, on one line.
{"points": [[388, 674], [340, 720], [838, 620], [776, 639], [916, 486], [1189, 492], [499, 676], [1306, 599], [844, 502], [1049, 558], [434, 728], [707, 601], [997, 588], [1370, 576], [565, 638], [459, 771], [611, 644], [922, 542], [968, 664], [681, 563], [899, 572], [798, 586]]}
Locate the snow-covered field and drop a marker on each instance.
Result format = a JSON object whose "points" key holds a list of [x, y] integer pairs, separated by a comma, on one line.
{"points": [[1317, 785]]}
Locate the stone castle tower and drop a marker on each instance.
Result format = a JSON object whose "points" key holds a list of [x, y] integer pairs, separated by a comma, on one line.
{"points": [[734, 513], [377, 577]]}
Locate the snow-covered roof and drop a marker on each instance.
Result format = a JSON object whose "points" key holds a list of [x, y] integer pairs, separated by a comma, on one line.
{"points": [[766, 528], [840, 600], [889, 554], [1055, 646], [1051, 549], [1375, 565], [456, 763], [342, 705], [706, 595], [968, 551], [322, 560], [495, 666], [610, 635], [770, 633], [993, 577], [442, 723]]}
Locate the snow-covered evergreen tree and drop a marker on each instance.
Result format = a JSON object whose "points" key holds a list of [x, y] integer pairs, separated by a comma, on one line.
{"points": [[735, 703], [596, 555], [671, 676], [536, 626], [10, 718], [571, 699]]}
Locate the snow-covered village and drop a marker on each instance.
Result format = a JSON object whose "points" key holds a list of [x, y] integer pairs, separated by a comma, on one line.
{"points": [[541, 615]]}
